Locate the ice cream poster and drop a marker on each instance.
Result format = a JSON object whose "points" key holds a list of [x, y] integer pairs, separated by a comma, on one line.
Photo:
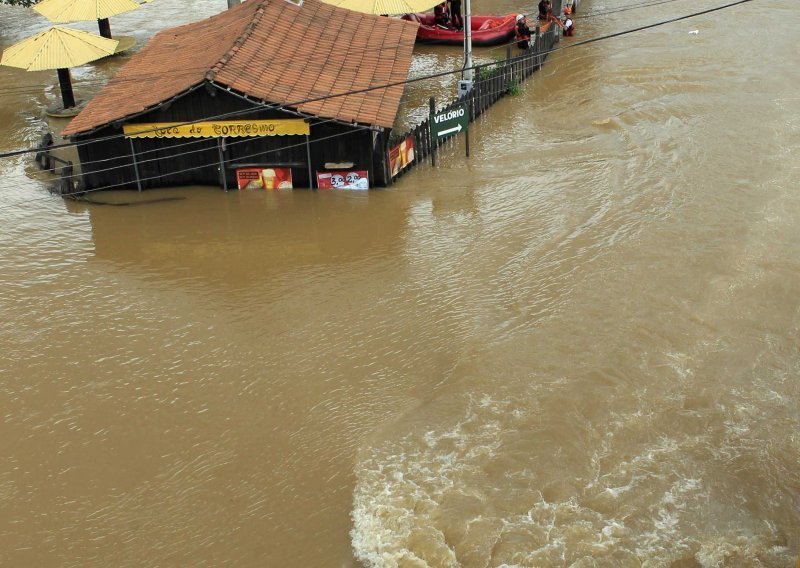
{"points": [[345, 179], [264, 178], [401, 155]]}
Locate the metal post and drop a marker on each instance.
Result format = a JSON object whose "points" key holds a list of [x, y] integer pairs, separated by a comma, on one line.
{"points": [[65, 83], [105, 28], [509, 69], [430, 130], [466, 130], [135, 165], [65, 182], [223, 173], [308, 156], [232, 3], [468, 71]]}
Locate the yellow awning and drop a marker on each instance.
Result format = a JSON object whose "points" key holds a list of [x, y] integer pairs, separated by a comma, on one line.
{"points": [[57, 48], [388, 7], [83, 10], [218, 129]]}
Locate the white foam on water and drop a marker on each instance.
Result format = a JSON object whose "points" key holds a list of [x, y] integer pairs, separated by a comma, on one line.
{"points": [[434, 499]]}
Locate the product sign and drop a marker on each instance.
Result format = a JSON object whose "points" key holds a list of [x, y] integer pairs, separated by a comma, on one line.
{"points": [[343, 179], [264, 178], [449, 122], [401, 155], [218, 129]]}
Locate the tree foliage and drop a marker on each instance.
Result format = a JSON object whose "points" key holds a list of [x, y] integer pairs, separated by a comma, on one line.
{"points": [[25, 3]]}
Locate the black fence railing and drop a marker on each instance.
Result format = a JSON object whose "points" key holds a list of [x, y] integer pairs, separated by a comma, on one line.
{"points": [[492, 82]]}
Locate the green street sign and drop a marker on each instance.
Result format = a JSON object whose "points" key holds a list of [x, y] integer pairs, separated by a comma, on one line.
{"points": [[449, 123]]}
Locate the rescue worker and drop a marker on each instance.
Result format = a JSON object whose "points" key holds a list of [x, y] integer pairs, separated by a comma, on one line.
{"points": [[522, 32], [546, 13], [568, 27], [545, 9], [455, 15]]}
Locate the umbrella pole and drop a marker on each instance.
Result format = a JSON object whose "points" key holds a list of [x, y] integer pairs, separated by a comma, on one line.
{"points": [[66, 88], [105, 28]]}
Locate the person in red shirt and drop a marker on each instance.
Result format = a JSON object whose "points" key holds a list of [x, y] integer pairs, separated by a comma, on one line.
{"points": [[440, 16]]}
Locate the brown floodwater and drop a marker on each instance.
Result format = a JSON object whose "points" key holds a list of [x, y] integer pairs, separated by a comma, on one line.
{"points": [[578, 347]]}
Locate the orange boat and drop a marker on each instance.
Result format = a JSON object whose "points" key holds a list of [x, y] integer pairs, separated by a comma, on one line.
{"points": [[486, 30]]}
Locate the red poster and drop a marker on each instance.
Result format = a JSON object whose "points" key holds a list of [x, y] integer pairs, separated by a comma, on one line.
{"points": [[401, 155], [344, 179], [264, 178]]}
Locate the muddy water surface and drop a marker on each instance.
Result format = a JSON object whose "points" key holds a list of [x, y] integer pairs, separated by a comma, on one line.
{"points": [[576, 348]]}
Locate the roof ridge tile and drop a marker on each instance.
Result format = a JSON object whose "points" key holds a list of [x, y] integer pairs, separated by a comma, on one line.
{"points": [[238, 42]]}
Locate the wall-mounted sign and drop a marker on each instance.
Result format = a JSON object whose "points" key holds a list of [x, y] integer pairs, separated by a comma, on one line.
{"points": [[218, 129], [343, 179], [264, 178], [401, 155]]}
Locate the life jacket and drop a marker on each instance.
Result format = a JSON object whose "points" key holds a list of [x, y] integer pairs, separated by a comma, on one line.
{"points": [[522, 33]]}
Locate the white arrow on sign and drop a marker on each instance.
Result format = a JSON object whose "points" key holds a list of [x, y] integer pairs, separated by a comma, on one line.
{"points": [[450, 130]]}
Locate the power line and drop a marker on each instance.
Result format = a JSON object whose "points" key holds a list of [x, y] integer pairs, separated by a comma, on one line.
{"points": [[179, 145], [276, 106], [211, 164], [622, 9], [584, 42], [616, 10], [440, 74]]}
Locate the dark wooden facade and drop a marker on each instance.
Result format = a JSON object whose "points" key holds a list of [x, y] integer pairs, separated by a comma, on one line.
{"points": [[107, 157]]}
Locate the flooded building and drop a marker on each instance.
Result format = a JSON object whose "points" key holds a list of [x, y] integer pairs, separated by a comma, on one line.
{"points": [[267, 93]]}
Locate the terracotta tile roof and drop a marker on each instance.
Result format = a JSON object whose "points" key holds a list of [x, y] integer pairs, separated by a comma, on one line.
{"points": [[270, 50]]}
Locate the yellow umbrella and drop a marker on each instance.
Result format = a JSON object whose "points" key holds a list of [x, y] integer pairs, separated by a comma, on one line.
{"points": [[83, 10], [58, 48], [63, 11], [385, 7]]}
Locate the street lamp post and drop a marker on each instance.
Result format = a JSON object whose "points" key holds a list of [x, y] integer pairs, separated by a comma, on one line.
{"points": [[468, 74]]}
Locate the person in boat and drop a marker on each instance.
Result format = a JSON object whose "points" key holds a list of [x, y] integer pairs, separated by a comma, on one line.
{"points": [[545, 9], [568, 26], [522, 32], [455, 15], [440, 16], [546, 13]]}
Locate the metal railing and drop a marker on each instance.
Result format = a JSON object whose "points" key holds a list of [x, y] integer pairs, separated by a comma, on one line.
{"points": [[492, 82]]}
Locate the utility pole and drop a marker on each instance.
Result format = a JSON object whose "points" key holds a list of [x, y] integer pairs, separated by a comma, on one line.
{"points": [[467, 76]]}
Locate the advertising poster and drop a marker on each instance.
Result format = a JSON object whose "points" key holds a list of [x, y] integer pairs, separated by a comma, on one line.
{"points": [[401, 155], [344, 179], [264, 178]]}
